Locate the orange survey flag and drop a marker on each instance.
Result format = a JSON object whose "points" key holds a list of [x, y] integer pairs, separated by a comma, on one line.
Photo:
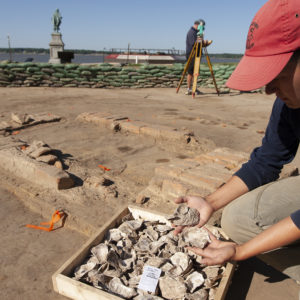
{"points": [[55, 218], [104, 168]]}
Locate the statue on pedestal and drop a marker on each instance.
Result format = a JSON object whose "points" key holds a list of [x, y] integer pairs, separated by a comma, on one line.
{"points": [[57, 53], [56, 44], [56, 20]]}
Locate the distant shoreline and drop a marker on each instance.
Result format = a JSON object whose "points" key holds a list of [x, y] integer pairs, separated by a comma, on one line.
{"points": [[28, 51], [42, 56]]}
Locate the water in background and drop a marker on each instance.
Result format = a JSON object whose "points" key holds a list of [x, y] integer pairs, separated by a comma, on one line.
{"points": [[88, 58]]}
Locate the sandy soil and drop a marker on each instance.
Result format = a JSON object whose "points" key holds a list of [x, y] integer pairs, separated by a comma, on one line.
{"points": [[30, 257]]}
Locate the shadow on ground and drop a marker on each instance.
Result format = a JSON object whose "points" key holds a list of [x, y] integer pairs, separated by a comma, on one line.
{"points": [[247, 273]]}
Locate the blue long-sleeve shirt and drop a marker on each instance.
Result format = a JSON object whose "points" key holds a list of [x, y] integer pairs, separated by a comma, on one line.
{"points": [[279, 147]]}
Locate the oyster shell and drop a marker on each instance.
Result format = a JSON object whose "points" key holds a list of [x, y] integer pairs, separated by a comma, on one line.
{"points": [[181, 261], [114, 235], [211, 294], [214, 230], [167, 267], [125, 244], [117, 287], [151, 234], [185, 216], [163, 229], [85, 268], [172, 288], [199, 295], [134, 281], [194, 281], [130, 227], [147, 297], [156, 262], [143, 244], [212, 275], [195, 237], [128, 260], [98, 280], [113, 259], [101, 252]]}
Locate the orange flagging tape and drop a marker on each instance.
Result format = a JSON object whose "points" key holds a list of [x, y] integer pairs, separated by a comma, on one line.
{"points": [[55, 218], [104, 168]]}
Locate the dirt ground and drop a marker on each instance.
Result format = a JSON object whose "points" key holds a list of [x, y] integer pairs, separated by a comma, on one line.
{"points": [[29, 257]]}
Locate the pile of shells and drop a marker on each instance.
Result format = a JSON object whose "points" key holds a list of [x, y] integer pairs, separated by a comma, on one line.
{"points": [[116, 264]]}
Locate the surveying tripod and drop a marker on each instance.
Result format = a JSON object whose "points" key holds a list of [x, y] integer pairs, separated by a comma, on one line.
{"points": [[196, 53]]}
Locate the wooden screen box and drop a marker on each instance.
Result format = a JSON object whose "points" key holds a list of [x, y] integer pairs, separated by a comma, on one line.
{"points": [[65, 285]]}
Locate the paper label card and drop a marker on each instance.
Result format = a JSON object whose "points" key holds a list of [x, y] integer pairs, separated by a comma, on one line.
{"points": [[149, 279]]}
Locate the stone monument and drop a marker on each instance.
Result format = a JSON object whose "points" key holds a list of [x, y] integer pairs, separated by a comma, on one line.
{"points": [[56, 44]]}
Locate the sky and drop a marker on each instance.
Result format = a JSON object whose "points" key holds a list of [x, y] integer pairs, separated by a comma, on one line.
{"points": [[99, 25]]}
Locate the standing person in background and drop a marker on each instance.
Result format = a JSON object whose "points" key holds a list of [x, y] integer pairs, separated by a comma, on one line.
{"points": [[191, 38], [262, 215]]}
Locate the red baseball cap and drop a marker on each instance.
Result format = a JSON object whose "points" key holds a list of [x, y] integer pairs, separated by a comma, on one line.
{"points": [[273, 36]]}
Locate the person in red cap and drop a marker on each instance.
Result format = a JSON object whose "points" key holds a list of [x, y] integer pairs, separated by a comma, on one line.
{"points": [[262, 215]]}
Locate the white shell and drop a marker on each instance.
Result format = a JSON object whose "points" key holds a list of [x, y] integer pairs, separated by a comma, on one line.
{"points": [[125, 243], [117, 287], [95, 278], [212, 275], [167, 267], [85, 268], [134, 281], [130, 227], [199, 295], [115, 235], [100, 251], [172, 288], [156, 262], [143, 244], [181, 260], [147, 297], [163, 229], [214, 230], [151, 234], [194, 281], [195, 237]]}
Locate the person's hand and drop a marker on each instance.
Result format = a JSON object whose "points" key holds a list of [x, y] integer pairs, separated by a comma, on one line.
{"points": [[217, 252], [204, 208]]}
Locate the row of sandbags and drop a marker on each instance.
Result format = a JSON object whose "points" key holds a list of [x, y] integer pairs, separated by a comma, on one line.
{"points": [[106, 75]]}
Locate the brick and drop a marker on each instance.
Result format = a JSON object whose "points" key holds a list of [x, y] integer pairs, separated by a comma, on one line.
{"points": [[224, 150], [98, 118], [226, 156], [152, 131], [167, 171], [201, 180], [132, 127], [185, 164], [173, 188], [173, 135], [16, 162], [200, 160], [214, 170]]}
